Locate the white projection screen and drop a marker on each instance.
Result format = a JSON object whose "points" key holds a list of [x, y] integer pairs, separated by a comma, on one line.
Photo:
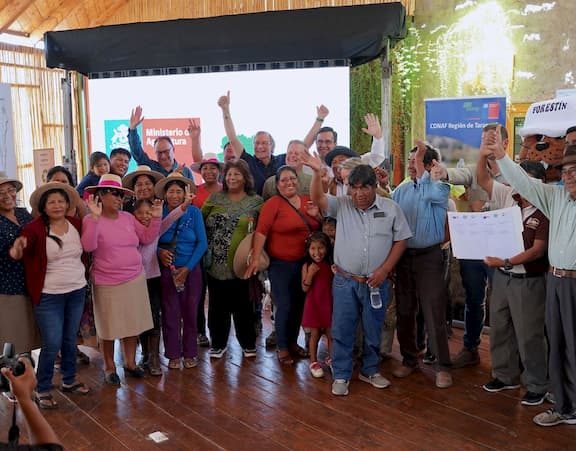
{"points": [[281, 101]]}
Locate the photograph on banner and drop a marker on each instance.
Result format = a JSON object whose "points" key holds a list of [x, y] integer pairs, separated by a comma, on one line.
{"points": [[43, 161], [454, 125]]}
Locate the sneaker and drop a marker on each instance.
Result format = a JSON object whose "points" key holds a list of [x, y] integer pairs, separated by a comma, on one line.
{"points": [[251, 352], [203, 341], [190, 362], [443, 379], [496, 385], [550, 398], [217, 353], [552, 418], [466, 358], [271, 339], [403, 371], [429, 358], [533, 399], [340, 387], [376, 380], [316, 370]]}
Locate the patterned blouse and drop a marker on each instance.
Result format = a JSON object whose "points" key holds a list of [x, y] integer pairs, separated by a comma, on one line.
{"points": [[226, 225], [12, 280]]}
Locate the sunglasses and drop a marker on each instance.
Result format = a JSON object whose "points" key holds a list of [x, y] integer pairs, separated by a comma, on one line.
{"points": [[114, 192]]}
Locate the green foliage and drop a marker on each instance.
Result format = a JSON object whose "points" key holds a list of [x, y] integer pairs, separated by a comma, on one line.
{"points": [[365, 97], [245, 140]]}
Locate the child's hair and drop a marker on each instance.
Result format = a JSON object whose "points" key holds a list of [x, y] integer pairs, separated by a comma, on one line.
{"points": [[322, 238], [95, 157], [140, 202], [329, 220]]}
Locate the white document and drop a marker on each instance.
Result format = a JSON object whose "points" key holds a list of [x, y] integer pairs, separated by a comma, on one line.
{"points": [[496, 233]]}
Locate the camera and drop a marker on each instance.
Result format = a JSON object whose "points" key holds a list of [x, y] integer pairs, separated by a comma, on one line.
{"points": [[9, 360]]}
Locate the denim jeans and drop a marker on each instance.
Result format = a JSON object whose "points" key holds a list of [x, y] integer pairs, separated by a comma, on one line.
{"points": [[58, 318], [285, 278], [352, 301], [475, 276]]}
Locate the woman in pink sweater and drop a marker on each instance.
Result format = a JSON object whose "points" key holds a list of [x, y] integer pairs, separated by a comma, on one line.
{"points": [[121, 304]]}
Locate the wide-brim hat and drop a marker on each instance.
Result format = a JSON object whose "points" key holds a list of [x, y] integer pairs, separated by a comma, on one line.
{"points": [[73, 195], [340, 150], [129, 179], [109, 181], [209, 158], [243, 256], [4, 179], [174, 176]]}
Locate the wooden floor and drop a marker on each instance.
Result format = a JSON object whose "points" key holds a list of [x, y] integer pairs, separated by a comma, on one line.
{"points": [[254, 404]]}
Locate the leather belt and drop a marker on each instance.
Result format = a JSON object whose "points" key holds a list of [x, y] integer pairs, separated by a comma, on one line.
{"points": [[421, 250], [516, 275], [347, 275], [563, 273]]}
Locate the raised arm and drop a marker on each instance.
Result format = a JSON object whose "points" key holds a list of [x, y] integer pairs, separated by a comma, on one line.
{"points": [[321, 113], [317, 194], [483, 177], [377, 152], [437, 192], [90, 229], [419, 158], [134, 142], [195, 139], [147, 235], [224, 104]]}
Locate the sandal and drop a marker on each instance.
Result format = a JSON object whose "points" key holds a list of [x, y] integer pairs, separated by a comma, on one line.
{"points": [[174, 364], [299, 352], [285, 359], [45, 401], [77, 388]]}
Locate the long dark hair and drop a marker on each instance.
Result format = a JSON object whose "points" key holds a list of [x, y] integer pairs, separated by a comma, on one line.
{"points": [[55, 170], [44, 216], [322, 238], [243, 168]]}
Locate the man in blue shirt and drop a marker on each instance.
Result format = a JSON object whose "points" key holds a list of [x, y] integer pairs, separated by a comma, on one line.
{"points": [[419, 273], [163, 146]]}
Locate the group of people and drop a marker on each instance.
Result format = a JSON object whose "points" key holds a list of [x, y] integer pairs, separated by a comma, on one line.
{"points": [[338, 245]]}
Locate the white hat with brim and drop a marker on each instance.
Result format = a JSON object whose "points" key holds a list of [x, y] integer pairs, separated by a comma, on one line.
{"points": [[172, 177], [549, 117], [243, 256], [209, 158], [16, 183], [109, 181], [130, 179], [73, 195]]}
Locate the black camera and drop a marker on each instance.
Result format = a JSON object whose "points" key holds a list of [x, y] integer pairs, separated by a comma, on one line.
{"points": [[9, 360]]}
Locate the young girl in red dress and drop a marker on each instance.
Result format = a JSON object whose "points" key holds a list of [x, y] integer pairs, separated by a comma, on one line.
{"points": [[317, 283]]}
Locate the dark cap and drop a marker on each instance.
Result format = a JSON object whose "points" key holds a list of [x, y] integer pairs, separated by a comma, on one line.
{"points": [[340, 150]]}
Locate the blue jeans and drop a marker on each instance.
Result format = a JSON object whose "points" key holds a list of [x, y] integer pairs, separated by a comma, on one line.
{"points": [[58, 317], [352, 301], [475, 276], [285, 278]]}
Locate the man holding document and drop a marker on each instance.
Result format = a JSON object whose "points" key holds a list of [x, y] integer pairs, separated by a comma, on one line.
{"points": [[517, 307], [558, 203]]}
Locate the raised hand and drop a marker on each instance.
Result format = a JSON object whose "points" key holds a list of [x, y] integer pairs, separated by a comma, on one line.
{"points": [[420, 149], [194, 127], [436, 171], [312, 161], [382, 176], [312, 209], [373, 127], [136, 117], [94, 205], [322, 112], [17, 249], [157, 208], [499, 149], [224, 101], [188, 198]]}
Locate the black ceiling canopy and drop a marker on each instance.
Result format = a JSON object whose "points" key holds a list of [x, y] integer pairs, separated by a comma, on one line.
{"points": [[354, 33]]}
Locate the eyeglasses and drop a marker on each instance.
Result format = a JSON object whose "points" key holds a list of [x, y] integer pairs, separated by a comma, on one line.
{"points": [[324, 141], [571, 172], [261, 143], [288, 179], [114, 192], [9, 192]]}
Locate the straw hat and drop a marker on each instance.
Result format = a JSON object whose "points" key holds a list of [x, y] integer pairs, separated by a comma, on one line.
{"points": [[5, 179], [243, 256], [174, 176], [73, 195], [130, 179], [208, 158], [109, 181]]}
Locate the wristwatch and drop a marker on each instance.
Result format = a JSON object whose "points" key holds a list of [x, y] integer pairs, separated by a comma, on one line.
{"points": [[507, 265]]}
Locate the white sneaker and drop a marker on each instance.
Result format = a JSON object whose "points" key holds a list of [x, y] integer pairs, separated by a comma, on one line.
{"points": [[340, 387], [376, 380], [217, 353], [316, 370]]}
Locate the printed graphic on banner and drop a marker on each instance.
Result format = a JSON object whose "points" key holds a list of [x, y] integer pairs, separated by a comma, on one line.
{"points": [[454, 126]]}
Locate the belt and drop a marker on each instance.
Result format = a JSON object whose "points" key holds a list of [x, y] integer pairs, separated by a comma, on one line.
{"points": [[515, 275], [563, 273], [347, 275], [421, 250]]}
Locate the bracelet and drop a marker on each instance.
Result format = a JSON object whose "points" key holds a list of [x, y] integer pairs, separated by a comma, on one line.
{"points": [[319, 119]]}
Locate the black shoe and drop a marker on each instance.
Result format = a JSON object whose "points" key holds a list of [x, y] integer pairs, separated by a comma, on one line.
{"points": [[429, 358], [496, 385], [137, 372], [533, 399], [203, 341], [271, 339], [112, 379]]}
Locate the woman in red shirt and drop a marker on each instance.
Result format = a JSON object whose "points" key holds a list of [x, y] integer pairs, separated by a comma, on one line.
{"points": [[284, 223]]}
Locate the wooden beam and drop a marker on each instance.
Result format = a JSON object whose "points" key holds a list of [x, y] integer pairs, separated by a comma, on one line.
{"points": [[11, 12], [102, 18], [56, 17]]}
